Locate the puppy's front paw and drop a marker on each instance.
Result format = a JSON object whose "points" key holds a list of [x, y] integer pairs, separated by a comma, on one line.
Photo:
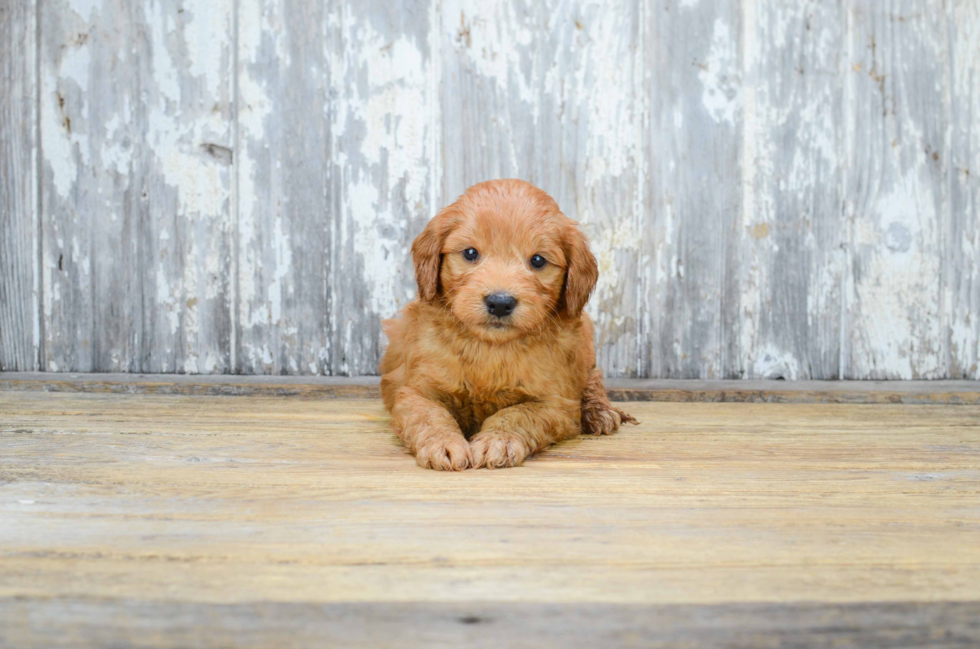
{"points": [[496, 449], [444, 454], [600, 421], [604, 420]]}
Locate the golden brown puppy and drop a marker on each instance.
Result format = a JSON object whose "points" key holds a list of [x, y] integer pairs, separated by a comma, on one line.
{"points": [[496, 360]]}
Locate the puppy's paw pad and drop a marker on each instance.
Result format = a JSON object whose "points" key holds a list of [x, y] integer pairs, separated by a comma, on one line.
{"points": [[496, 450], [444, 455]]}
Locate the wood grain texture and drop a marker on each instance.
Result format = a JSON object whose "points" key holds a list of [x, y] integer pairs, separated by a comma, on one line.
{"points": [[385, 139], [791, 258], [962, 253], [773, 190], [136, 134], [92, 206], [19, 318], [336, 178], [367, 387], [285, 208], [187, 161], [78, 622], [896, 109], [690, 282], [163, 503]]}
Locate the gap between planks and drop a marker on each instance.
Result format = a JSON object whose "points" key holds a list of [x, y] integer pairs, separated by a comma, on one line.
{"points": [[734, 391]]}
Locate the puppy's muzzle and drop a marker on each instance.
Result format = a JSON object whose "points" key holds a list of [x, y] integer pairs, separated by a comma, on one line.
{"points": [[500, 305]]}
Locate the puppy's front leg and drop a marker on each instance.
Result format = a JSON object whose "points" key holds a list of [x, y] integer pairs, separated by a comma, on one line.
{"points": [[429, 431], [514, 433]]}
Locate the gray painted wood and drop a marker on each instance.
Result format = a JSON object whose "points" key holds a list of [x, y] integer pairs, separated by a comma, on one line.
{"points": [[961, 392], [285, 193], [19, 321], [136, 133], [773, 190], [91, 622], [693, 203], [896, 107], [791, 261], [336, 178], [385, 149], [185, 232], [962, 217], [91, 188]]}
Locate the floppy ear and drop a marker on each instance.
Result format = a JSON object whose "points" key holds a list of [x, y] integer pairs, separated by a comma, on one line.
{"points": [[427, 253], [582, 272]]}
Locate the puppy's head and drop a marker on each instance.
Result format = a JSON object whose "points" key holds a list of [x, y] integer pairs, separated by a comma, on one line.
{"points": [[504, 259]]}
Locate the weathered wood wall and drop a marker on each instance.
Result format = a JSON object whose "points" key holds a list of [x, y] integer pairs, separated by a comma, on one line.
{"points": [[773, 188]]}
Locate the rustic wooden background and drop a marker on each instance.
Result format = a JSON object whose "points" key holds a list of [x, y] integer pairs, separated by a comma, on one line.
{"points": [[774, 188]]}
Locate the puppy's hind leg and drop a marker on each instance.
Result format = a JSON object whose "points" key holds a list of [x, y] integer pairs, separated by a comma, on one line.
{"points": [[599, 417]]}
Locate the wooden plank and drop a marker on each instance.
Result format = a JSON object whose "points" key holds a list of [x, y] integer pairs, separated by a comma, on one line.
{"points": [[285, 188], [896, 107], [390, 160], [694, 195], [761, 391], [319, 387], [135, 122], [19, 318], [228, 501], [791, 257], [683, 390], [336, 180], [84, 622], [962, 252], [90, 298], [551, 92], [185, 263]]}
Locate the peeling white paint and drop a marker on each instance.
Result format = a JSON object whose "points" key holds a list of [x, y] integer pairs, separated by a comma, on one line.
{"points": [[84, 8], [495, 36], [255, 108], [165, 75], [569, 88], [898, 325], [65, 90], [719, 75], [393, 116], [167, 303], [206, 50], [753, 216], [284, 262], [58, 150], [608, 246], [773, 363]]}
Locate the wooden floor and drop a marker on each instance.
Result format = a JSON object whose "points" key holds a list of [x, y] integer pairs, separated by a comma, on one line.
{"points": [[158, 521]]}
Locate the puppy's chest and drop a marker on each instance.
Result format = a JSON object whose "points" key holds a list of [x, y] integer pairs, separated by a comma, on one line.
{"points": [[518, 372], [483, 386]]}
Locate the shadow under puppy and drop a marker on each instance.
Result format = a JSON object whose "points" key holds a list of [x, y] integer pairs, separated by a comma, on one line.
{"points": [[495, 360]]}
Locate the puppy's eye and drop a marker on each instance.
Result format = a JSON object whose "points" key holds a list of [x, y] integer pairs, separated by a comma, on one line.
{"points": [[538, 261], [471, 254]]}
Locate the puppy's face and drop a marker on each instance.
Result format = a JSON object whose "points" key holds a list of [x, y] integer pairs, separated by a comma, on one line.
{"points": [[505, 260], [502, 276]]}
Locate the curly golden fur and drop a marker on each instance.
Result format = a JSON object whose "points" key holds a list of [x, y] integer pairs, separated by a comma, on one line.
{"points": [[467, 388]]}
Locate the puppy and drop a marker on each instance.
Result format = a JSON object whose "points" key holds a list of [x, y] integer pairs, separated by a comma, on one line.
{"points": [[495, 360]]}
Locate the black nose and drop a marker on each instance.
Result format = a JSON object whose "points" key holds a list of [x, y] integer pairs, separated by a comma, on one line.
{"points": [[500, 304]]}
